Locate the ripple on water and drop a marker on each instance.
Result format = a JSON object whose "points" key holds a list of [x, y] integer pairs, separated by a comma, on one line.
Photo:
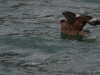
{"points": [[31, 42]]}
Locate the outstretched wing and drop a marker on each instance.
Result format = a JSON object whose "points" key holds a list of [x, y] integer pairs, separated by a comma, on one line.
{"points": [[70, 16], [82, 20], [79, 23], [91, 20]]}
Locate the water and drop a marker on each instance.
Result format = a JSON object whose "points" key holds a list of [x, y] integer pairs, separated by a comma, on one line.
{"points": [[31, 42]]}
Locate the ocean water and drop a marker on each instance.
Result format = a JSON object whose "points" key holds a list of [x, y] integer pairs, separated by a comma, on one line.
{"points": [[31, 42]]}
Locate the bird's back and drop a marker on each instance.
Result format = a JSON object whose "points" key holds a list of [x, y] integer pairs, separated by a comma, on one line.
{"points": [[67, 28]]}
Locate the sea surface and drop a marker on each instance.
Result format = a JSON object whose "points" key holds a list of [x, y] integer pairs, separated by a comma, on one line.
{"points": [[31, 42]]}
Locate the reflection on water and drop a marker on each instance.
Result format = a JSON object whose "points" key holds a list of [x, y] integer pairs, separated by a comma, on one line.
{"points": [[72, 37], [81, 38]]}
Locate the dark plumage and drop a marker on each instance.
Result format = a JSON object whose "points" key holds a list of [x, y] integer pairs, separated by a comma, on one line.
{"points": [[75, 23]]}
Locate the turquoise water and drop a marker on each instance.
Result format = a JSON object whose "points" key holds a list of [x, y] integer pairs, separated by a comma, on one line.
{"points": [[31, 42]]}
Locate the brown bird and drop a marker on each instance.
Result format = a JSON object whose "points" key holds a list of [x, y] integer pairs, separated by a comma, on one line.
{"points": [[75, 23]]}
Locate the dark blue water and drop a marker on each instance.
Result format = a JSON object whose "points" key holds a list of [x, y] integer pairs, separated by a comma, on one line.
{"points": [[31, 42]]}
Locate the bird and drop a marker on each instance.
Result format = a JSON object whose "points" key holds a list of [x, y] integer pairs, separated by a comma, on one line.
{"points": [[74, 23]]}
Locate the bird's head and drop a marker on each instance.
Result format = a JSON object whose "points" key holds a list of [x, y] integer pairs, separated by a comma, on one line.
{"points": [[63, 23]]}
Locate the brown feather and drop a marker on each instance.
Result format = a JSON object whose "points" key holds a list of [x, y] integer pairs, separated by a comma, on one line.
{"points": [[74, 25]]}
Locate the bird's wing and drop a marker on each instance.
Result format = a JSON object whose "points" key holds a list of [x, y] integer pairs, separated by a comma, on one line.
{"points": [[70, 16], [79, 23], [82, 20], [91, 20]]}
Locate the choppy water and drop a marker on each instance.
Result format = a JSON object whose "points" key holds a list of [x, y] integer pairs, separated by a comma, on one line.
{"points": [[31, 42]]}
